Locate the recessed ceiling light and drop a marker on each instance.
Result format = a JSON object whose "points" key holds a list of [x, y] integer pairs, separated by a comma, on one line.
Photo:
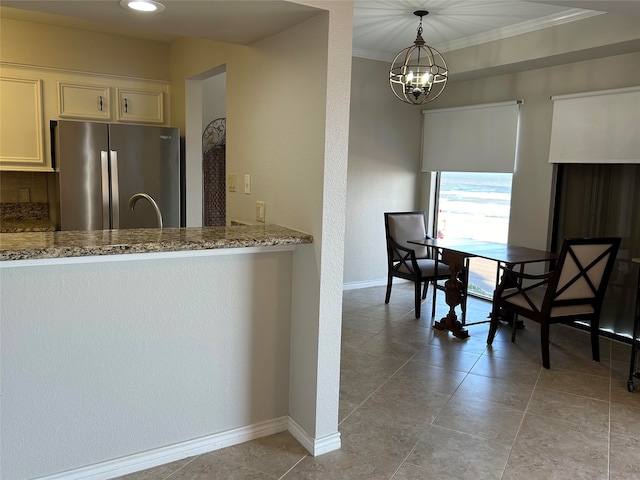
{"points": [[142, 5]]}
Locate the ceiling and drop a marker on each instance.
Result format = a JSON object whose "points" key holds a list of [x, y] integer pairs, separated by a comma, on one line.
{"points": [[381, 27]]}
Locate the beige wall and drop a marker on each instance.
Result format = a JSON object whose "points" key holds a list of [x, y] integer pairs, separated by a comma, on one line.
{"points": [[52, 46]]}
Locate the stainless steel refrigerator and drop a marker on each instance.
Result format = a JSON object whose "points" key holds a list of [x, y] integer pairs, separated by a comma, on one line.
{"points": [[111, 176]]}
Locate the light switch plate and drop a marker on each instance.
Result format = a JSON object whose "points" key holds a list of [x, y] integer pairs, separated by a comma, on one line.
{"points": [[261, 211], [247, 184], [232, 181]]}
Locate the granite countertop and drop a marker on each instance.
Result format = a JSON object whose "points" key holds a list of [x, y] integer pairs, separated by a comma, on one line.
{"points": [[25, 217], [39, 245]]}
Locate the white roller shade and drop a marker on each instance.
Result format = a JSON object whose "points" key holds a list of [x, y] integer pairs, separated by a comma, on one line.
{"points": [[596, 127], [476, 138]]}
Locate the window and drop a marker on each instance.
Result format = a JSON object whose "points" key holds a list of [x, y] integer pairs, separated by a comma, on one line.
{"points": [[474, 205]]}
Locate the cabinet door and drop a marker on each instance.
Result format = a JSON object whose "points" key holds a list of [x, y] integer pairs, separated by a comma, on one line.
{"points": [[140, 106], [21, 120], [84, 101]]}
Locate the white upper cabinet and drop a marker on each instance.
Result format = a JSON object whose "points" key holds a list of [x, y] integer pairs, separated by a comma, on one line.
{"points": [[21, 125], [140, 106], [84, 101], [30, 97]]}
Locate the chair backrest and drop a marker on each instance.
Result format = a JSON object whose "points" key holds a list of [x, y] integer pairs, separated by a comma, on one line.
{"points": [[404, 226], [582, 272]]}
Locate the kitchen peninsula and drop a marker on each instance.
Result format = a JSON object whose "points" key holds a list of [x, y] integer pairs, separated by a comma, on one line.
{"points": [[146, 346], [42, 245]]}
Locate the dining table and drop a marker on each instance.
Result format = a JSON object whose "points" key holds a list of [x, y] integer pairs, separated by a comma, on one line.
{"points": [[456, 252]]}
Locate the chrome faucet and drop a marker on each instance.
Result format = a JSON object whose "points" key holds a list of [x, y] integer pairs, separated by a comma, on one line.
{"points": [[136, 196]]}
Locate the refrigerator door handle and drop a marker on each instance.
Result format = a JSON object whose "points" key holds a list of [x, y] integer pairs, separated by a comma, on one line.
{"points": [[115, 195], [104, 162]]}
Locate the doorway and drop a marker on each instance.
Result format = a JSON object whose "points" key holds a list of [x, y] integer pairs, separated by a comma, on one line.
{"points": [[205, 181]]}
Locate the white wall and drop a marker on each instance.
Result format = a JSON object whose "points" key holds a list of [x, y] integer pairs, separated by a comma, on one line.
{"points": [[533, 179], [291, 136], [119, 358], [322, 423], [214, 98], [384, 162]]}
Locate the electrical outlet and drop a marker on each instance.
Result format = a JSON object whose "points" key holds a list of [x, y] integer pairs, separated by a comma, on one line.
{"points": [[261, 211], [232, 181], [247, 184], [24, 195]]}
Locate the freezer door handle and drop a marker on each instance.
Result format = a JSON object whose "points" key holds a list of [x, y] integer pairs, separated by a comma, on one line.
{"points": [[115, 195], [104, 162]]}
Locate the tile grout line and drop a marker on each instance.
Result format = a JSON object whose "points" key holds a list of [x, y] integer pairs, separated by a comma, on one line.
{"points": [[443, 407], [382, 384], [388, 379], [183, 466], [431, 423], [292, 467], [524, 414]]}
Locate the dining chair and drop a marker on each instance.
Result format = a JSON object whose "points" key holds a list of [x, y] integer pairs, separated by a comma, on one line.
{"points": [[572, 291], [409, 261]]}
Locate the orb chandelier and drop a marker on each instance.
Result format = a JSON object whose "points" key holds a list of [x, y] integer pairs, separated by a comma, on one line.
{"points": [[419, 73]]}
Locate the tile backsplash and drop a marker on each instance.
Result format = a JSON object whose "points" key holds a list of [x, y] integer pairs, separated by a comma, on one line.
{"points": [[23, 187]]}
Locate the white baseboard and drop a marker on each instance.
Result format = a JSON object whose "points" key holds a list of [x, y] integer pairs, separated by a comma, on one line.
{"points": [[160, 456], [171, 453], [315, 446]]}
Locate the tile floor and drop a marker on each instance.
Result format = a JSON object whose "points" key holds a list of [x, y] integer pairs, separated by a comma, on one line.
{"points": [[416, 403]]}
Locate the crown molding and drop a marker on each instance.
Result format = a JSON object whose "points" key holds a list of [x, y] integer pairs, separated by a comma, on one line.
{"points": [[567, 16]]}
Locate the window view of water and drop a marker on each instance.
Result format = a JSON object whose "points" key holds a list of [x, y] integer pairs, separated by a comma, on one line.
{"points": [[475, 206]]}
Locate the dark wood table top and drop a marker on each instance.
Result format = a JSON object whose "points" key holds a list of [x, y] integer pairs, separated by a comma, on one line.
{"points": [[500, 252]]}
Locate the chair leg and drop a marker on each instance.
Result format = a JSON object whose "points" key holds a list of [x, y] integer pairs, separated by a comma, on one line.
{"points": [[544, 343], [514, 327], [433, 303], [418, 298], [495, 318], [595, 340], [388, 294], [424, 290]]}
